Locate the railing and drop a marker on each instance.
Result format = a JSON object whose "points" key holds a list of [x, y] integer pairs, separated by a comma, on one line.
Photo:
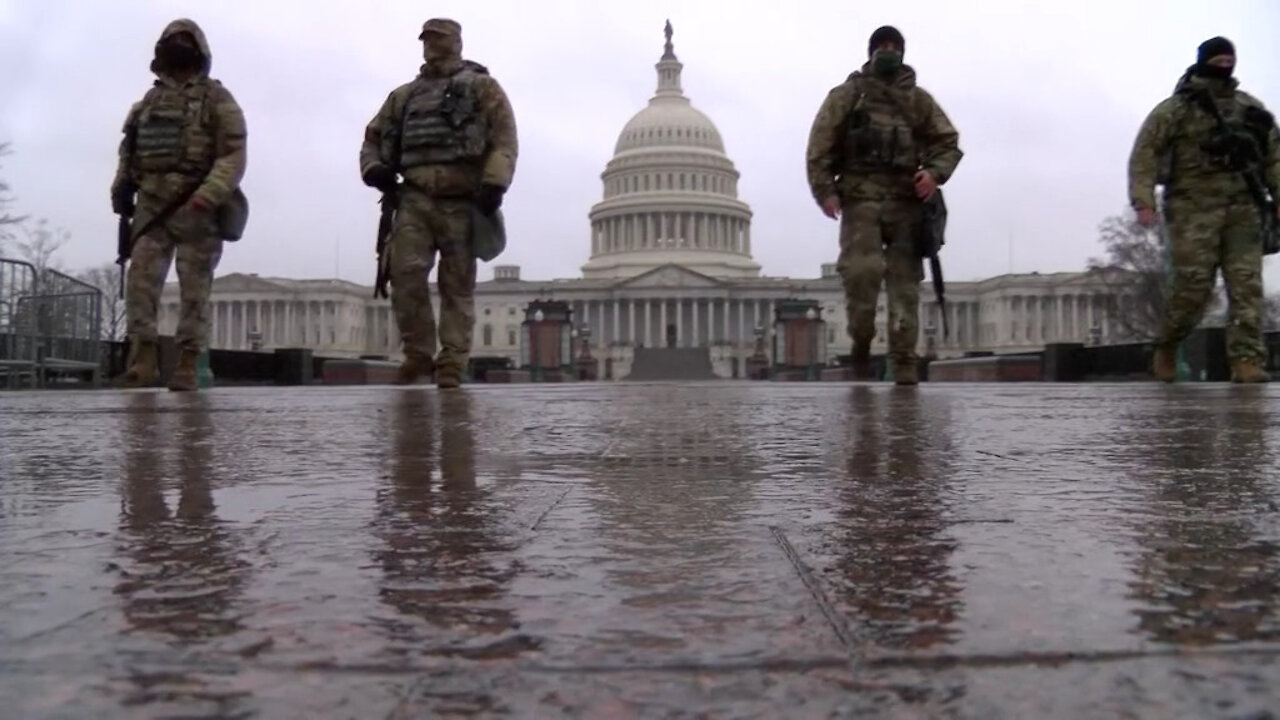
{"points": [[18, 348], [52, 326]]}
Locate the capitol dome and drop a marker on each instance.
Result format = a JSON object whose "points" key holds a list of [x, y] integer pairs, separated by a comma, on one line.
{"points": [[670, 192]]}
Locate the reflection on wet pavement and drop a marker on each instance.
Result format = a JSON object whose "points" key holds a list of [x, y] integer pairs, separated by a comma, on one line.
{"points": [[713, 550]]}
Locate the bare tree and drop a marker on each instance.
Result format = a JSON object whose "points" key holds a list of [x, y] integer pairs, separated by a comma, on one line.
{"points": [[1134, 271], [41, 244], [105, 277], [8, 222]]}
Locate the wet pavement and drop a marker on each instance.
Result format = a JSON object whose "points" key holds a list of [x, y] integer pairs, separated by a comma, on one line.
{"points": [[636, 550]]}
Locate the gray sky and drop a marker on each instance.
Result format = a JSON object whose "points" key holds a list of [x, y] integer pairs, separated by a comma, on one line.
{"points": [[1047, 102]]}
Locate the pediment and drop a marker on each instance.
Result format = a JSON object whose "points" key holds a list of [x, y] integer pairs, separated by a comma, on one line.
{"points": [[1091, 279], [670, 276], [239, 282]]}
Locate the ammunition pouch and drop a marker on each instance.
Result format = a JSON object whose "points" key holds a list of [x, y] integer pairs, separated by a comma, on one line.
{"points": [[232, 216], [488, 234], [1271, 240], [1235, 151]]}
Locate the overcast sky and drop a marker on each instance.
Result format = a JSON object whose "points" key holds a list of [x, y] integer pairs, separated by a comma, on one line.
{"points": [[1047, 102]]}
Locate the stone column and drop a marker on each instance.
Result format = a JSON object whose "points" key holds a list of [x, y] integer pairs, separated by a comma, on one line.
{"points": [[617, 330], [679, 322], [693, 307], [662, 320]]}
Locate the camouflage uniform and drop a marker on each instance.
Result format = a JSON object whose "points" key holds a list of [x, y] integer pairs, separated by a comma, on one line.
{"points": [[1211, 217], [871, 135], [183, 135], [456, 148]]}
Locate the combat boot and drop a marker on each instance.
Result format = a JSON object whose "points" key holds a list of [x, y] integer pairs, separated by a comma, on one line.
{"points": [[905, 372], [184, 375], [1249, 371], [1164, 364], [414, 367], [143, 368], [862, 361], [447, 377]]}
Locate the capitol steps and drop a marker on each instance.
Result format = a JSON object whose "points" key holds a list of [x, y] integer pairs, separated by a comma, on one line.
{"points": [[671, 364]]}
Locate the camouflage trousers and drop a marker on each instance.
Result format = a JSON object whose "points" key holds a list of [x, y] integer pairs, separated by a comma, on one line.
{"points": [[1202, 240], [878, 241], [192, 237], [425, 226]]}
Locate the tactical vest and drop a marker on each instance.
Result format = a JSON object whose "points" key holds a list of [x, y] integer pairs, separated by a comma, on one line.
{"points": [[879, 134], [1199, 147], [441, 123], [171, 133]]}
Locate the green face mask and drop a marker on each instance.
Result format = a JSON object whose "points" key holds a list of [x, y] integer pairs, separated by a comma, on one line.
{"points": [[886, 62]]}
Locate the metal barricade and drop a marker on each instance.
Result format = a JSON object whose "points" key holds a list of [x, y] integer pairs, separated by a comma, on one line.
{"points": [[68, 313], [18, 345]]}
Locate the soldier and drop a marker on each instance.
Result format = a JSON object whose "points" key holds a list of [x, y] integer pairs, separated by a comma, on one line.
{"points": [[178, 176], [452, 134], [879, 146], [1212, 218]]}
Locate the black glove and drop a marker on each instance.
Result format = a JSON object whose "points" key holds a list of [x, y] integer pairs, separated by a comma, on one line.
{"points": [[380, 177], [489, 199], [122, 199]]}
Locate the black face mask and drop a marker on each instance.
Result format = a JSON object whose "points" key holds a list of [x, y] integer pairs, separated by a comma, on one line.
{"points": [[180, 58], [1215, 72]]}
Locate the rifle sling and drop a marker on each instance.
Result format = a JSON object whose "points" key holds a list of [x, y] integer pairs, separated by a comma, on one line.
{"points": [[163, 216], [1206, 103]]}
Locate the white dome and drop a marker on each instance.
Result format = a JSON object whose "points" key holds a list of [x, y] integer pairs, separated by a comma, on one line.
{"points": [[669, 122], [670, 192]]}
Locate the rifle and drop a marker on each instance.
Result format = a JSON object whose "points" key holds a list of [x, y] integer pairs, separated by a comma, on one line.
{"points": [[389, 201], [1242, 153], [124, 246], [932, 237], [125, 233]]}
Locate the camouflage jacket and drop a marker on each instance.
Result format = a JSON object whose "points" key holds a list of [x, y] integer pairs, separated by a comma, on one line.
{"points": [[182, 135], [497, 161], [1170, 147], [871, 136]]}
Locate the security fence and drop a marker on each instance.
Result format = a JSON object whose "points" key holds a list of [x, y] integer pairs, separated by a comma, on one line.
{"points": [[50, 327]]}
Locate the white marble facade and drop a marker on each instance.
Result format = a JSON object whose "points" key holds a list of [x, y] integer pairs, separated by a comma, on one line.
{"points": [[669, 264], [667, 305]]}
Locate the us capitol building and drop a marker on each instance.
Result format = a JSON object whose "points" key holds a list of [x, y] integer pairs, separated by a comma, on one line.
{"points": [[670, 266]]}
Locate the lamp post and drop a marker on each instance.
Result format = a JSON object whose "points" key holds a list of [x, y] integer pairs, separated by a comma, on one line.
{"points": [[811, 370], [538, 317]]}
